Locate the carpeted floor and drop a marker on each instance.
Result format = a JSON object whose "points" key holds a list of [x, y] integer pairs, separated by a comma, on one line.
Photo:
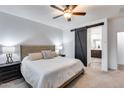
{"points": [[93, 78], [96, 79]]}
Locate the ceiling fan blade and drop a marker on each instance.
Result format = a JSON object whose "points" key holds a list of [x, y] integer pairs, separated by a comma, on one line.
{"points": [[53, 6], [79, 13], [73, 7], [57, 16]]}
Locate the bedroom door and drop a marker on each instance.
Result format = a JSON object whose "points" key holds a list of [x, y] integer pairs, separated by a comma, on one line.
{"points": [[81, 45]]}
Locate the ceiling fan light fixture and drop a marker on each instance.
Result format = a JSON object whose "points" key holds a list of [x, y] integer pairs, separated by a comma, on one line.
{"points": [[67, 15], [68, 12]]}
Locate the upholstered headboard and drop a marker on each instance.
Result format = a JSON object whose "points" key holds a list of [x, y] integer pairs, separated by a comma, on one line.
{"points": [[26, 49]]}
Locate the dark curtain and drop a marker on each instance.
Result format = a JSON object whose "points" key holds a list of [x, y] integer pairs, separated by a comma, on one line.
{"points": [[81, 45]]}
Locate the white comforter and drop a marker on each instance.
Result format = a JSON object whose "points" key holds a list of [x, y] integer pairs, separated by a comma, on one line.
{"points": [[48, 73]]}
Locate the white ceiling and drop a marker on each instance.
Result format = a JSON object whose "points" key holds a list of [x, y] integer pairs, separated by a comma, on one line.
{"points": [[44, 13]]}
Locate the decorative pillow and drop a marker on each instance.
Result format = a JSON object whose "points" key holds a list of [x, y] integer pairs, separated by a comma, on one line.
{"points": [[47, 54], [35, 56], [54, 54]]}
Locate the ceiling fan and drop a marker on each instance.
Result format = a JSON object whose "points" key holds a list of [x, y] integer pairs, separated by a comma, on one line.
{"points": [[68, 12]]}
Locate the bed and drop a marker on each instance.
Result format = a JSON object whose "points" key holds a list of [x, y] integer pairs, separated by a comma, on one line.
{"points": [[49, 73]]}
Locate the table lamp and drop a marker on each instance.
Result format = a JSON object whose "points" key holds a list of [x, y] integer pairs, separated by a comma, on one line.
{"points": [[8, 50], [58, 49]]}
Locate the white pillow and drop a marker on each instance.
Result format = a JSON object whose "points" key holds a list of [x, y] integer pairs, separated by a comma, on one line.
{"points": [[35, 56], [46, 54]]}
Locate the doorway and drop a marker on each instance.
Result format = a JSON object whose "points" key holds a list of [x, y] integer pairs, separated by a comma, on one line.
{"points": [[94, 47], [81, 42], [120, 50]]}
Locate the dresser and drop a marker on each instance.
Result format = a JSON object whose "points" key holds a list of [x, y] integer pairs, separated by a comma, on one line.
{"points": [[10, 71]]}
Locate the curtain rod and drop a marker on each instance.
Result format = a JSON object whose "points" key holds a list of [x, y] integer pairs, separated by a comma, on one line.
{"points": [[89, 26]]}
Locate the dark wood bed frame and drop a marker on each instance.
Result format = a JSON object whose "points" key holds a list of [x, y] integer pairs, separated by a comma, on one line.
{"points": [[26, 49], [71, 79]]}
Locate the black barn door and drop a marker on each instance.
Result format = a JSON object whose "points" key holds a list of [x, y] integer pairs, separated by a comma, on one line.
{"points": [[81, 45]]}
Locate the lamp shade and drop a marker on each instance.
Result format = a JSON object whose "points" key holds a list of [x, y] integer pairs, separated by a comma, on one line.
{"points": [[59, 47], [8, 49]]}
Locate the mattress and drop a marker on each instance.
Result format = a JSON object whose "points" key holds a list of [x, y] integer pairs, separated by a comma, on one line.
{"points": [[50, 73]]}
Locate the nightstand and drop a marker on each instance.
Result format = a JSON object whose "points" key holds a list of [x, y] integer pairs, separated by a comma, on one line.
{"points": [[10, 71], [62, 55]]}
